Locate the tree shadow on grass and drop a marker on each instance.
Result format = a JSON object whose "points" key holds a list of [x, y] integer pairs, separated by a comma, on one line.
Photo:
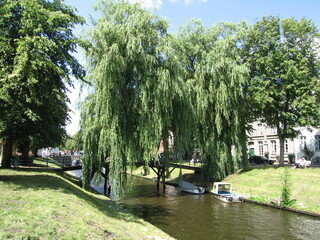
{"points": [[44, 179]]}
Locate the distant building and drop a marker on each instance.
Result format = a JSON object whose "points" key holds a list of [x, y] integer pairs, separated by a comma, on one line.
{"points": [[309, 138], [170, 143], [263, 141], [48, 152]]}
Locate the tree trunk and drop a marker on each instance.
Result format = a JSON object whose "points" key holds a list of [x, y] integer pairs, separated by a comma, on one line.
{"points": [[35, 152], [24, 147], [245, 161], [7, 152], [281, 140]]}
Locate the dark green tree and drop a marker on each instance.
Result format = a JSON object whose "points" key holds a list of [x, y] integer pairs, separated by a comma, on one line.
{"points": [[284, 87], [35, 68]]}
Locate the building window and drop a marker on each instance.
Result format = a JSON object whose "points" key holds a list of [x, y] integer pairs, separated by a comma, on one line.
{"points": [[317, 143], [273, 131], [260, 148], [273, 146], [259, 128], [286, 148]]}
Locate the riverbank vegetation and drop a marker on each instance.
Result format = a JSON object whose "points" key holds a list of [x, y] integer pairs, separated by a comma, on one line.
{"points": [[266, 185], [263, 185], [40, 204]]}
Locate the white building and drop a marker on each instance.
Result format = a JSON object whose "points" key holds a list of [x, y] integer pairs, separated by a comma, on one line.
{"points": [[263, 140], [48, 151], [310, 138]]}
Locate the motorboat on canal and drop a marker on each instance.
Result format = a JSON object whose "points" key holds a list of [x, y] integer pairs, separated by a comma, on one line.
{"points": [[191, 188], [223, 192]]}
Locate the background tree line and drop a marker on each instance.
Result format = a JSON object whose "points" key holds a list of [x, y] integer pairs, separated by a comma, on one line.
{"points": [[203, 84]]}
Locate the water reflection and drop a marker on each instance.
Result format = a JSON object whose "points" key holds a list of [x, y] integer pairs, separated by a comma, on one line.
{"points": [[185, 216], [201, 217]]}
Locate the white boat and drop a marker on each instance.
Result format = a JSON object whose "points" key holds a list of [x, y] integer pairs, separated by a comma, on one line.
{"points": [[223, 192], [191, 188]]}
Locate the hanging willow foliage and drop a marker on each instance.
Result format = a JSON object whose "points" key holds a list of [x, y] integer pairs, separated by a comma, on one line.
{"points": [[138, 97], [213, 69], [147, 83]]}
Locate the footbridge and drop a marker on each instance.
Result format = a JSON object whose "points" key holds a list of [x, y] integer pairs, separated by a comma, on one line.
{"points": [[69, 163]]}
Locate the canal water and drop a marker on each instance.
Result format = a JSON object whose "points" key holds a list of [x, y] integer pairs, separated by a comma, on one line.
{"points": [[200, 217]]}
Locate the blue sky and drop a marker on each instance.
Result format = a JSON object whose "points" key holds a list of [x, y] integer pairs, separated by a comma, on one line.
{"points": [[209, 12], [213, 11]]}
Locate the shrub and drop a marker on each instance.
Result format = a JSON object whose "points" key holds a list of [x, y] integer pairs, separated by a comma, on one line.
{"points": [[286, 200]]}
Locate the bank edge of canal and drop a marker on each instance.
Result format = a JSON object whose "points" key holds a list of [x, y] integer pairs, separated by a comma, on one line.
{"points": [[282, 208], [38, 203], [263, 186]]}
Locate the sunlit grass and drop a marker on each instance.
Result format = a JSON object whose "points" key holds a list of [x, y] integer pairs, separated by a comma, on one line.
{"points": [[266, 183], [40, 204], [46, 162]]}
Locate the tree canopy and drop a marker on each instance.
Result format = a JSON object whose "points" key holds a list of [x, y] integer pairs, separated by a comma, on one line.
{"points": [[136, 95], [36, 64], [284, 86], [216, 76], [147, 84]]}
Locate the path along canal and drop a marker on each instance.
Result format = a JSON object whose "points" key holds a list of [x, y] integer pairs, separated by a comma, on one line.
{"points": [[200, 217]]}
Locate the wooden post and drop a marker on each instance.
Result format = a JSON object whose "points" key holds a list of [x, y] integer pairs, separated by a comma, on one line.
{"points": [[158, 178], [106, 180], [105, 185], [164, 178], [160, 171]]}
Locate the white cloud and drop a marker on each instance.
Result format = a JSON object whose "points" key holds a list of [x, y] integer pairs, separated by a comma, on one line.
{"points": [[158, 3], [187, 2], [148, 3]]}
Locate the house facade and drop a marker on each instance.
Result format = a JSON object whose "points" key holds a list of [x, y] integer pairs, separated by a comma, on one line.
{"points": [[263, 141], [309, 138]]}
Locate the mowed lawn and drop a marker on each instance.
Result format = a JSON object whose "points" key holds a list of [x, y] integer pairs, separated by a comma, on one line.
{"points": [[265, 184], [41, 204]]}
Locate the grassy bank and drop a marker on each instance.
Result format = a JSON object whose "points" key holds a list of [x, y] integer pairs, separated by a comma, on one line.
{"points": [[40, 204], [265, 185]]}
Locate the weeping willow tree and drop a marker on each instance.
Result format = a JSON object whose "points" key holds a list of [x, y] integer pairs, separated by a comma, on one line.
{"points": [[216, 76], [137, 96]]}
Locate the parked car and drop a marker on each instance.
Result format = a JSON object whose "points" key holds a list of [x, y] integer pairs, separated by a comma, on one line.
{"points": [[260, 160]]}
